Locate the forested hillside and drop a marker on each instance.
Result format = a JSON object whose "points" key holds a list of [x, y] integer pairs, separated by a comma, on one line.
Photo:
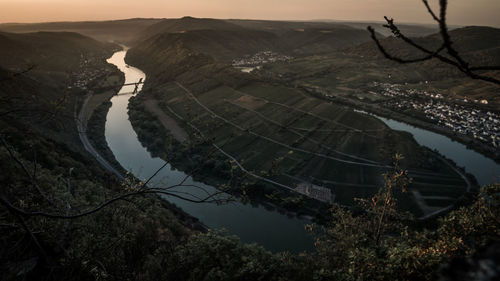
{"points": [[270, 127], [231, 39], [120, 31], [388, 208]]}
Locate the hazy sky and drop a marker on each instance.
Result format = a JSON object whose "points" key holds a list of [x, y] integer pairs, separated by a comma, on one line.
{"points": [[462, 12]]}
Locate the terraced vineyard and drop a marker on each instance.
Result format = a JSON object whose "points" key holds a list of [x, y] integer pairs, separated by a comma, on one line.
{"points": [[304, 140]]}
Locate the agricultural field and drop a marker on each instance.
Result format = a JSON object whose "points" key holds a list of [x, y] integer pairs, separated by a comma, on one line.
{"points": [[290, 138]]}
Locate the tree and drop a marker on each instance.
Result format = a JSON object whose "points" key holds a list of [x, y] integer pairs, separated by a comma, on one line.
{"points": [[379, 243], [452, 56], [54, 201]]}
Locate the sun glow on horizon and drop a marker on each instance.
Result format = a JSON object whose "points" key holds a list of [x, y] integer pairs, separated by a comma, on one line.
{"points": [[461, 12]]}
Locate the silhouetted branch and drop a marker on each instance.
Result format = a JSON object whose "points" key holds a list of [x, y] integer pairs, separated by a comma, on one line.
{"points": [[15, 74], [35, 164], [401, 60], [39, 247], [16, 210], [28, 174], [210, 198], [64, 230], [144, 185], [493, 67], [453, 57], [429, 9]]}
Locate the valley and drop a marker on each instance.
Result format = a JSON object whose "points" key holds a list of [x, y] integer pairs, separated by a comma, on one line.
{"points": [[362, 78], [266, 130], [273, 124], [279, 134]]}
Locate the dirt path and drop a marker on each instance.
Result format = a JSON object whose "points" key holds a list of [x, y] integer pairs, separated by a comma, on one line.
{"points": [[168, 122]]}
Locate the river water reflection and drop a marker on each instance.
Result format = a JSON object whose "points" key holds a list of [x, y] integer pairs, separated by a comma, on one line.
{"points": [[483, 168], [273, 230]]}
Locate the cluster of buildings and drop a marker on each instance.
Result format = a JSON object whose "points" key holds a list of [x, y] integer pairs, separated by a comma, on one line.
{"points": [[314, 191], [260, 58], [89, 70], [461, 119]]}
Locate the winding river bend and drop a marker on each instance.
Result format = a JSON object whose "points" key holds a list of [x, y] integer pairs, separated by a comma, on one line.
{"points": [[483, 168], [274, 231], [253, 224]]}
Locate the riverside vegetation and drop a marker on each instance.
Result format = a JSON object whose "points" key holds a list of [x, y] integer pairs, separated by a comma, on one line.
{"points": [[260, 123], [144, 241]]}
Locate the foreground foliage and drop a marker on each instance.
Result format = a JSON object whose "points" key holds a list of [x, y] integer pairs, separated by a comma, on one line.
{"points": [[144, 241], [352, 247]]}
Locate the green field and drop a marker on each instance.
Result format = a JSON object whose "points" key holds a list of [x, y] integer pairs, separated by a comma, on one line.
{"points": [[276, 118], [303, 139]]}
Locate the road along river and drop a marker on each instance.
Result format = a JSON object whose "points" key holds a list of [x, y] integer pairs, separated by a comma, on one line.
{"points": [[271, 229]]}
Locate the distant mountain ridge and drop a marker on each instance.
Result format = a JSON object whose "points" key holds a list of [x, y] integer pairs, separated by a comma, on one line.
{"points": [[472, 41], [225, 40], [413, 30], [168, 56], [55, 51], [122, 31], [186, 24]]}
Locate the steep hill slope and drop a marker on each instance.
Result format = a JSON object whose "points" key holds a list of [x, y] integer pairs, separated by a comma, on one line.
{"points": [[48, 73], [187, 24], [29, 144], [280, 27], [257, 122], [477, 45], [354, 68], [56, 51], [222, 45], [302, 37], [225, 40], [322, 40], [411, 30], [122, 31], [57, 58], [170, 56], [472, 41]]}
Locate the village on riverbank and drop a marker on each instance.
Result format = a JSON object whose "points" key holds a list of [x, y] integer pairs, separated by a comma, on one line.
{"points": [[482, 125]]}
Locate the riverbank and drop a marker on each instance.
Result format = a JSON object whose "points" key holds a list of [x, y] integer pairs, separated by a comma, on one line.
{"points": [[179, 134], [471, 143], [197, 158], [96, 131], [150, 132], [92, 117], [253, 224]]}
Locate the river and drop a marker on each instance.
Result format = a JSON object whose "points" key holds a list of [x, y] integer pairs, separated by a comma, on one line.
{"points": [[271, 229], [253, 224], [485, 170]]}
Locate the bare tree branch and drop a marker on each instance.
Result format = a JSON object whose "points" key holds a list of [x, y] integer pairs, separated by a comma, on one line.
{"points": [[28, 174], [453, 57], [209, 199], [429, 9], [14, 75], [32, 236]]}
